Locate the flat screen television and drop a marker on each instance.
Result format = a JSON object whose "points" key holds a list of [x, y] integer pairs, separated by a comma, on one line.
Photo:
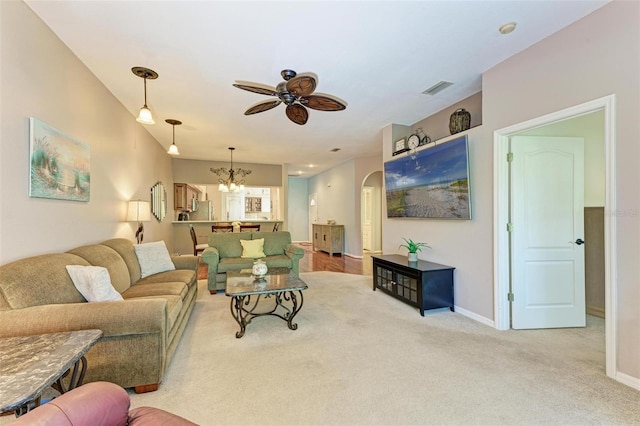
{"points": [[432, 183]]}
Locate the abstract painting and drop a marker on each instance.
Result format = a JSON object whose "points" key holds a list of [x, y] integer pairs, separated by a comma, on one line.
{"points": [[60, 165]]}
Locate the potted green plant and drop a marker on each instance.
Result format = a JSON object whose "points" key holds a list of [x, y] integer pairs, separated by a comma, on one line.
{"points": [[413, 249]]}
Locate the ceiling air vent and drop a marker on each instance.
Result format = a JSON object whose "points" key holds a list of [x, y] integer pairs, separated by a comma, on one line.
{"points": [[335, 150], [438, 87]]}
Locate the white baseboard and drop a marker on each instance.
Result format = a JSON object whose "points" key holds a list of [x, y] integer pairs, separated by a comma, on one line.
{"points": [[475, 317], [625, 379]]}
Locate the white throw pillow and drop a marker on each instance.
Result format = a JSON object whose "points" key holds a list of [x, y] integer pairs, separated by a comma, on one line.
{"points": [[93, 282], [153, 258]]}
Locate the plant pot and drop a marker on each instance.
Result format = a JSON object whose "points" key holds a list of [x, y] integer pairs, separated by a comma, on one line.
{"points": [[412, 257]]}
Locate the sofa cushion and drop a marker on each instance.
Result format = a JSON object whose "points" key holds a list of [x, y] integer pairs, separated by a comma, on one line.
{"points": [[157, 289], [252, 248], [101, 255], [275, 243], [234, 263], [93, 282], [228, 243], [153, 258], [179, 275], [39, 280], [278, 261], [124, 248]]}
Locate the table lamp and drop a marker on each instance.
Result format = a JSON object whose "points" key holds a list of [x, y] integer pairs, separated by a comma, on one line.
{"points": [[139, 211]]}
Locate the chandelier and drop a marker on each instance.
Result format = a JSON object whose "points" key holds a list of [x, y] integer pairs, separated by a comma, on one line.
{"points": [[227, 179]]}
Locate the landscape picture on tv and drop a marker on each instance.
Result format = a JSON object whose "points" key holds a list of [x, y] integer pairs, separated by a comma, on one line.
{"points": [[432, 183]]}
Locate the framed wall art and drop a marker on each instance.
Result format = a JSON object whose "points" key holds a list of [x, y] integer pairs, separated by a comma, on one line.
{"points": [[59, 164], [431, 183]]}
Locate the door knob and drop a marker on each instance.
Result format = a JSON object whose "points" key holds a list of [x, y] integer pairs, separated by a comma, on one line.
{"points": [[579, 241]]}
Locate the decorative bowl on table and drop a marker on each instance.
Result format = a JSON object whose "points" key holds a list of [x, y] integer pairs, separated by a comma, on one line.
{"points": [[259, 268]]}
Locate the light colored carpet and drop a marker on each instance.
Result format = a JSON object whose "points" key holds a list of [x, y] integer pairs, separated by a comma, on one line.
{"points": [[360, 357]]}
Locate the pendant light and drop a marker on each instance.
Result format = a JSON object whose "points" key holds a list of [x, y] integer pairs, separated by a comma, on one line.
{"points": [[145, 116], [173, 149]]}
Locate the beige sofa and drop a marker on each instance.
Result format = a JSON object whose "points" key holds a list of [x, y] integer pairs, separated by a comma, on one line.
{"points": [[140, 333], [225, 254]]}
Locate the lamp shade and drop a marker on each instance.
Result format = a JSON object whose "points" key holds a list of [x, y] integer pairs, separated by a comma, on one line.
{"points": [[145, 116], [139, 211], [173, 150]]}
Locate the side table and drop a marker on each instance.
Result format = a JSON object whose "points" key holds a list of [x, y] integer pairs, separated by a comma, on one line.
{"points": [[30, 364]]}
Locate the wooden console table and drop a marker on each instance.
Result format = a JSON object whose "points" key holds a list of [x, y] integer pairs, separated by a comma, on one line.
{"points": [[329, 238], [425, 285]]}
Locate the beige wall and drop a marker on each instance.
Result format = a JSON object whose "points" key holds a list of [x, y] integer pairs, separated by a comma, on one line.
{"points": [[437, 125], [599, 55], [197, 171], [42, 78], [595, 57]]}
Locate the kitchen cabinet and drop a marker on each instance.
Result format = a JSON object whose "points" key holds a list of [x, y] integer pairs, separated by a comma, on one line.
{"points": [[329, 238], [183, 193], [252, 204]]}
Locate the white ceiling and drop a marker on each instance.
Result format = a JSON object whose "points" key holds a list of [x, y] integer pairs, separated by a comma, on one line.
{"points": [[378, 56]]}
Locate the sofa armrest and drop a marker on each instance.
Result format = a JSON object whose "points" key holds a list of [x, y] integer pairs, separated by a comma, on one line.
{"points": [[295, 253], [185, 262], [126, 317], [211, 257], [97, 403], [294, 250]]}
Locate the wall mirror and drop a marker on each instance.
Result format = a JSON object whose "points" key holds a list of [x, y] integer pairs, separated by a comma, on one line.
{"points": [[158, 201]]}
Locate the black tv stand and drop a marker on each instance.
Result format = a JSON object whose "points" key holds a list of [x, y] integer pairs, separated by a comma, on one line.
{"points": [[425, 285]]}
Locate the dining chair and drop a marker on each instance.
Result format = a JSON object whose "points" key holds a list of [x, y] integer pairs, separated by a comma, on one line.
{"points": [[221, 228], [244, 228], [276, 227], [197, 248]]}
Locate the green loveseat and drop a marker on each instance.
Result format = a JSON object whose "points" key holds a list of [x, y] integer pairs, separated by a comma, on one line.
{"points": [[140, 333], [225, 251]]}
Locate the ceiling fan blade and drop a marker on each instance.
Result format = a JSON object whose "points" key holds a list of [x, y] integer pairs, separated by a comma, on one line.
{"points": [[263, 89], [302, 84], [323, 103], [297, 113], [262, 106]]}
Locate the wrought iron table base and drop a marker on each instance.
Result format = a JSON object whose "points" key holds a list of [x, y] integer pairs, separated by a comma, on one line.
{"points": [[77, 377], [243, 308]]}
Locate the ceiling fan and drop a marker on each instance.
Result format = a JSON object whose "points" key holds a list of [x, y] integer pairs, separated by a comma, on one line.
{"points": [[296, 92]]}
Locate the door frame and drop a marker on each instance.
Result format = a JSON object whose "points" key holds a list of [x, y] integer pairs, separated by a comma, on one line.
{"points": [[501, 249]]}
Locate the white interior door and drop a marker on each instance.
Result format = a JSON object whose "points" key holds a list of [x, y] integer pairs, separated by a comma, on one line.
{"points": [[235, 206], [367, 214], [547, 205]]}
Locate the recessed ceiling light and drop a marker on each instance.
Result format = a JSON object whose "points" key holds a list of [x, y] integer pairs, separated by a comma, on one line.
{"points": [[507, 28], [311, 166]]}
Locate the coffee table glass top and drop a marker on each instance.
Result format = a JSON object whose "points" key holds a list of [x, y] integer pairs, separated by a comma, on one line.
{"points": [[242, 282]]}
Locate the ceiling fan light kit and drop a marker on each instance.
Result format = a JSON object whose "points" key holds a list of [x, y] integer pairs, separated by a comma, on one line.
{"points": [[296, 93], [145, 116]]}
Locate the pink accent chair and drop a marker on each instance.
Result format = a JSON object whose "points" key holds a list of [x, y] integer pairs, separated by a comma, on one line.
{"points": [[97, 404]]}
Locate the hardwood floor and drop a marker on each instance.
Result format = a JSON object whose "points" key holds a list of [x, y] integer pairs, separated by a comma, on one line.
{"points": [[321, 261]]}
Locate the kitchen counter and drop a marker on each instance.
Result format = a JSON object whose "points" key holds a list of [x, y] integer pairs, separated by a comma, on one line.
{"points": [[182, 243]]}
